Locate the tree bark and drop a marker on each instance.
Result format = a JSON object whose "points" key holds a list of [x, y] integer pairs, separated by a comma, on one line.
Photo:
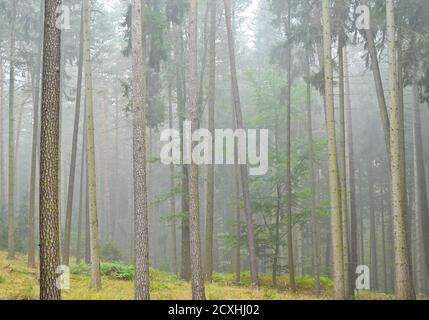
{"points": [[343, 170], [49, 155], [350, 174], [198, 291], [211, 127], [92, 200], [334, 188], [314, 214], [141, 228], [403, 281]]}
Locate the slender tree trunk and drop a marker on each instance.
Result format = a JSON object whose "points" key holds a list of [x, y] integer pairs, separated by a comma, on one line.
{"points": [[211, 127], [291, 262], [173, 192], [11, 165], [49, 155], [343, 171], [383, 238], [237, 251], [278, 199], [82, 188], [141, 227], [72, 172], [369, 34], [372, 231], [334, 188], [3, 182], [36, 118], [198, 291], [314, 214], [421, 199], [350, 167], [92, 200], [185, 270], [403, 281], [243, 168]]}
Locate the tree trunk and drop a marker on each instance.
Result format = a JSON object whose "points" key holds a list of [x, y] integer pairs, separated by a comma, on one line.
{"points": [[49, 155], [3, 182], [173, 192], [403, 281], [343, 171], [11, 165], [314, 214], [72, 172], [185, 270], [141, 227], [378, 85], [198, 291], [372, 229], [36, 118], [83, 183], [92, 200], [211, 127], [291, 262], [334, 188], [243, 168], [421, 200], [350, 174]]}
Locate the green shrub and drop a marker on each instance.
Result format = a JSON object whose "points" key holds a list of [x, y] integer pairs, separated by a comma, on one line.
{"points": [[117, 271], [80, 269]]}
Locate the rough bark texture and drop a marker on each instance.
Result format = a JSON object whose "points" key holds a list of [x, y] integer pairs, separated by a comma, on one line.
{"points": [[403, 281], [334, 188], [92, 197], [49, 156], [198, 291], [243, 168], [211, 127], [141, 228]]}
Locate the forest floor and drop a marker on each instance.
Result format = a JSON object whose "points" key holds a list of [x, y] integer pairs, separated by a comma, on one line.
{"points": [[19, 282]]}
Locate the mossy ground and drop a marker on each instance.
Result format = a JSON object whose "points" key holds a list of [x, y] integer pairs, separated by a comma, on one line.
{"points": [[17, 281]]}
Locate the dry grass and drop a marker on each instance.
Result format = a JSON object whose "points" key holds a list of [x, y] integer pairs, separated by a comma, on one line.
{"points": [[17, 281]]}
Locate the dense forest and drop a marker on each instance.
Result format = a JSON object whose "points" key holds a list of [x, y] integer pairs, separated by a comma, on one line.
{"points": [[214, 149]]}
